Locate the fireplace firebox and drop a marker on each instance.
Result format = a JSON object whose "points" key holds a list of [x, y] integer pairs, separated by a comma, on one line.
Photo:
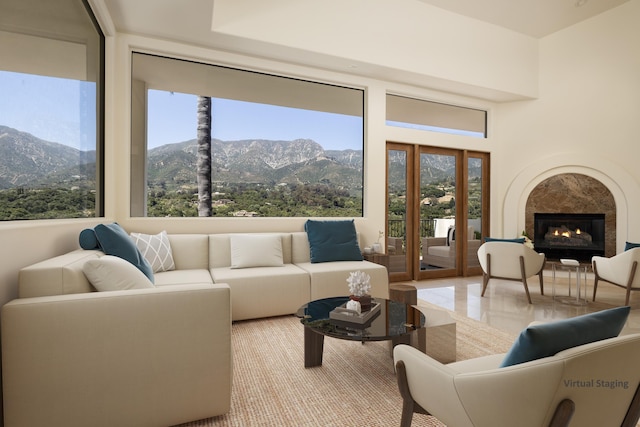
{"points": [[569, 235]]}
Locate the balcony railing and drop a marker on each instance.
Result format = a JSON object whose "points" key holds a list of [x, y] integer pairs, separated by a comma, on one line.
{"points": [[397, 227]]}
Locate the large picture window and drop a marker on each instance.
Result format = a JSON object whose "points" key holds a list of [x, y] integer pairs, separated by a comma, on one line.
{"points": [[51, 81], [272, 147]]}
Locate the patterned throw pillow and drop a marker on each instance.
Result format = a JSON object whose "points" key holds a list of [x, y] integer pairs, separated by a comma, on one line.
{"points": [[156, 249]]}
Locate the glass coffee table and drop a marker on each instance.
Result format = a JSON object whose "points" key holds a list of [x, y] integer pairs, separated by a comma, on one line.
{"points": [[394, 321]]}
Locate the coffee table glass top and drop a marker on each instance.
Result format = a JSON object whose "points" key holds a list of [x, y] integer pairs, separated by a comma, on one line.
{"points": [[394, 319]]}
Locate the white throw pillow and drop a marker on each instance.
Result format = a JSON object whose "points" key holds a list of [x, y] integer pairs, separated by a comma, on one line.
{"points": [[156, 249], [110, 273], [256, 250]]}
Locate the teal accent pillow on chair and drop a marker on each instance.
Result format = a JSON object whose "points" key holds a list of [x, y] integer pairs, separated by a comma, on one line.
{"points": [[115, 241], [333, 241], [493, 239], [547, 339], [631, 245]]}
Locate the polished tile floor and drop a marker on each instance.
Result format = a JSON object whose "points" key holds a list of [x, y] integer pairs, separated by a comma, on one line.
{"points": [[505, 305]]}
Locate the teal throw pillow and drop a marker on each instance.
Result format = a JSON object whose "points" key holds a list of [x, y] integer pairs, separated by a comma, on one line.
{"points": [[88, 239], [333, 241], [115, 241], [547, 339], [630, 245], [493, 239]]}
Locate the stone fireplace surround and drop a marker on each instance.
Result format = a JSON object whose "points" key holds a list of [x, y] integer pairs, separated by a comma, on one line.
{"points": [[572, 193], [602, 177]]}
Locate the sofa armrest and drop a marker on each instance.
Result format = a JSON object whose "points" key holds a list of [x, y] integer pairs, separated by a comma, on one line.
{"points": [[147, 357]]}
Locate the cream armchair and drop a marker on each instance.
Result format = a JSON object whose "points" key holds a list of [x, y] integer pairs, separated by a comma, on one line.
{"points": [[619, 270], [591, 385], [510, 261]]}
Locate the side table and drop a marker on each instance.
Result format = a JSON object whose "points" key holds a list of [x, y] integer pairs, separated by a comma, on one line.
{"points": [[382, 259], [401, 292], [438, 337], [581, 272]]}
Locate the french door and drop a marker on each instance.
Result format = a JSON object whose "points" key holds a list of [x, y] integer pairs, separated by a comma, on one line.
{"points": [[437, 211]]}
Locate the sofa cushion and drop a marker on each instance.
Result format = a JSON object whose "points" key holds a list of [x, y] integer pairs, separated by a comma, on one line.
{"points": [[333, 241], [451, 234], [88, 240], [115, 241], [111, 273], [256, 250], [156, 249], [546, 339]]}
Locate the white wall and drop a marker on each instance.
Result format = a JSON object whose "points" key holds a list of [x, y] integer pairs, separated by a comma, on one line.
{"points": [[407, 36], [585, 120]]}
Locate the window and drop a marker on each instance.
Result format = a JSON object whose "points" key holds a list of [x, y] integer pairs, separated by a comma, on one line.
{"points": [[51, 80], [279, 147], [435, 117]]}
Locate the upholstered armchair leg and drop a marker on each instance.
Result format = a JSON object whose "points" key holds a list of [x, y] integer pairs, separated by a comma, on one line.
{"points": [[524, 279], [541, 282], [630, 282], [540, 276], [563, 414], [486, 275], [633, 413], [485, 282], [409, 406]]}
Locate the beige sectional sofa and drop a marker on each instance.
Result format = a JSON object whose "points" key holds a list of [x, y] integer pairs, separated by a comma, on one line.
{"points": [[75, 357], [256, 292], [146, 357]]}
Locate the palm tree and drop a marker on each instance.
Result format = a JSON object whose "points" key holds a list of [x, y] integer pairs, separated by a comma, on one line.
{"points": [[203, 163]]}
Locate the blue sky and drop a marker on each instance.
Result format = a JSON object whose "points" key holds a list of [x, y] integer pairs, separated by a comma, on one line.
{"points": [[50, 108], [172, 118], [55, 109]]}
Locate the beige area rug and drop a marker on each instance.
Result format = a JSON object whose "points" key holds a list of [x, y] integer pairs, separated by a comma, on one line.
{"points": [[355, 386]]}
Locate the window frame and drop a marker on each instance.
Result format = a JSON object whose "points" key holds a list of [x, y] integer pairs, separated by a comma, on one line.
{"points": [[139, 145]]}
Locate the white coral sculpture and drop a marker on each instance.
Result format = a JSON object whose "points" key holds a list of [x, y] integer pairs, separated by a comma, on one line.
{"points": [[359, 283]]}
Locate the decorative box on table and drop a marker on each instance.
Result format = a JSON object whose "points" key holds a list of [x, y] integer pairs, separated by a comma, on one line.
{"points": [[342, 316]]}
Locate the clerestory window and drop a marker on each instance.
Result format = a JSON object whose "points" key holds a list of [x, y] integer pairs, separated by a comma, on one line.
{"points": [[432, 116]]}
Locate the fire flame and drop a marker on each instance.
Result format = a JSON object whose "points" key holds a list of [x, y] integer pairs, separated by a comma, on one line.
{"points": [[565, 233]]}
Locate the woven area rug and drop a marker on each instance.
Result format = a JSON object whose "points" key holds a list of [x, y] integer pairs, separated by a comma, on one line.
{"points": [[355, 386]]}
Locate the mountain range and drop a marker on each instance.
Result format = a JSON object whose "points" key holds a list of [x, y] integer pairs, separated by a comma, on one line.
{"points": [[258, 161], [27, 161]]}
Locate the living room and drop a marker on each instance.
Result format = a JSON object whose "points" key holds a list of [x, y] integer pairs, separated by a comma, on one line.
{"points": [[563, 103]]}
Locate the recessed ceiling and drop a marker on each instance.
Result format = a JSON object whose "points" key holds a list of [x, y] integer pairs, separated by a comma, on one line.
{"points": [[536, 18], [189, 21]]}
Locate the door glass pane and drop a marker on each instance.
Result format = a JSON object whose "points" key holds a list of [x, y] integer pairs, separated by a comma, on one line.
{"points": [[474, 210], [437, 211], [397, 211]]}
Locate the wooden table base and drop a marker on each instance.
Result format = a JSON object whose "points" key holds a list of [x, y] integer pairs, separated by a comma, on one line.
{"points": [[313, 348]]}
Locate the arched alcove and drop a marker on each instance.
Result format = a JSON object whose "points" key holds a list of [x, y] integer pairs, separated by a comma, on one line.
{"points": [[622, 186]]}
